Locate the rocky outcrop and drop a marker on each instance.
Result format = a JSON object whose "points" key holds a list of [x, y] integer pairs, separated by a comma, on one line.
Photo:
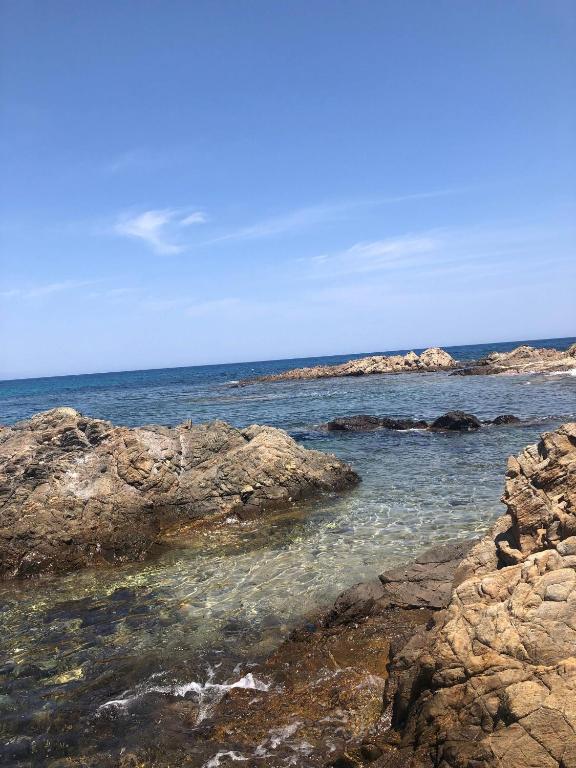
{"points": [[433, 359], [365, 423], [76, 491], [453, 421], [494, 681], [523, 359], [456, 421]]}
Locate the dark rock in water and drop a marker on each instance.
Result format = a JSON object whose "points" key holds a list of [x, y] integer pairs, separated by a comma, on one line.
{"points": [[456, 421], [506, 418], [157, 480], [360, 423], [477, 370], [453, 421], [364, 423], [403, 424]]}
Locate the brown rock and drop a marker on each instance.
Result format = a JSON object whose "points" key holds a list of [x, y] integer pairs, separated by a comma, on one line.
{"points": [[76, 490]]}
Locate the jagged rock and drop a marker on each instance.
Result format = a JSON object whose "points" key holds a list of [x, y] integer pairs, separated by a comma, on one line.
{"points": [[522, 359], [494, 681], [456, 421], [433, 359], [76, 490], [541, 491]]}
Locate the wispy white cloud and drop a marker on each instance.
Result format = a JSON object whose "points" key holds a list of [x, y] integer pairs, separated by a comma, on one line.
{"points": [[39, 291], [470, 253], [376, 255], [304, 218], [197, 217], [159, 228]]}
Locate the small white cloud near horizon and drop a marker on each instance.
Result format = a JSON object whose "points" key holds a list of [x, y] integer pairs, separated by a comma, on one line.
{"points": [[303, 218], [157, 228]]}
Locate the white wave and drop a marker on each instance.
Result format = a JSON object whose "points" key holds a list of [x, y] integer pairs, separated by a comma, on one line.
{"points": [[214, 762], [567, 372], [207, 694]]}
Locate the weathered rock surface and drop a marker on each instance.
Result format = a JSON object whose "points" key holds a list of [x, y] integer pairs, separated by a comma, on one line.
{"points": [[76, 491], [433, 359], [523, 359], [494, 682], [453, 421]]}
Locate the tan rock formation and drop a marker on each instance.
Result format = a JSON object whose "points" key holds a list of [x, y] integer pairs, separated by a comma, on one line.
{"points": [[433, 359], [524, 359], [76, 490], [495, 682]]}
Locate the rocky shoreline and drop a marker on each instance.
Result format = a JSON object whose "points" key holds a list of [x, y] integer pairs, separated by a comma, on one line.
{"points": [[77, 491], [465, 658]]}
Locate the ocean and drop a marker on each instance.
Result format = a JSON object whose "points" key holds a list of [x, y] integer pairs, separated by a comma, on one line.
{"points": [[93, 659]]}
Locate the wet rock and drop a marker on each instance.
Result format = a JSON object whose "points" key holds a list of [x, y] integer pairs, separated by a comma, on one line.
{"points": [[456, 421], [433, 359], [354, 424], [506, 418], [157, 480], [365, 423], [453, 421]]}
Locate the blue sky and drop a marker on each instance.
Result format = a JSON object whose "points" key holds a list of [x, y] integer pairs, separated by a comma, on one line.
{"points": [[224, 180]]}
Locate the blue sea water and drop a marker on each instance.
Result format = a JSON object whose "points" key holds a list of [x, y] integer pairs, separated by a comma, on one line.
{"points": [[74, 643]]}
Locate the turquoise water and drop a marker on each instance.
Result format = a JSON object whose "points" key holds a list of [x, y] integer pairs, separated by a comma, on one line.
{"points": [[144, 635]]}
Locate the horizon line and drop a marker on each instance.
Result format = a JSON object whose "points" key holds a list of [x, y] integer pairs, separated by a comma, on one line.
{"points": [[281, 359]]}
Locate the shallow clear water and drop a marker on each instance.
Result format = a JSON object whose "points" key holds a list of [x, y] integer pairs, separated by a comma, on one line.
{"points": [[139, 633]]}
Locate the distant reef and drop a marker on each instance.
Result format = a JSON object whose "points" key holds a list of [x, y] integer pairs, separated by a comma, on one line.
{"points": [[433, 359], [77, 491], [523, 359]]}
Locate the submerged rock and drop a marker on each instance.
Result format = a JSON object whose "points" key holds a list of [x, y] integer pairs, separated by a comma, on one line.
{"points": [[76, 490], [433, 359]]}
